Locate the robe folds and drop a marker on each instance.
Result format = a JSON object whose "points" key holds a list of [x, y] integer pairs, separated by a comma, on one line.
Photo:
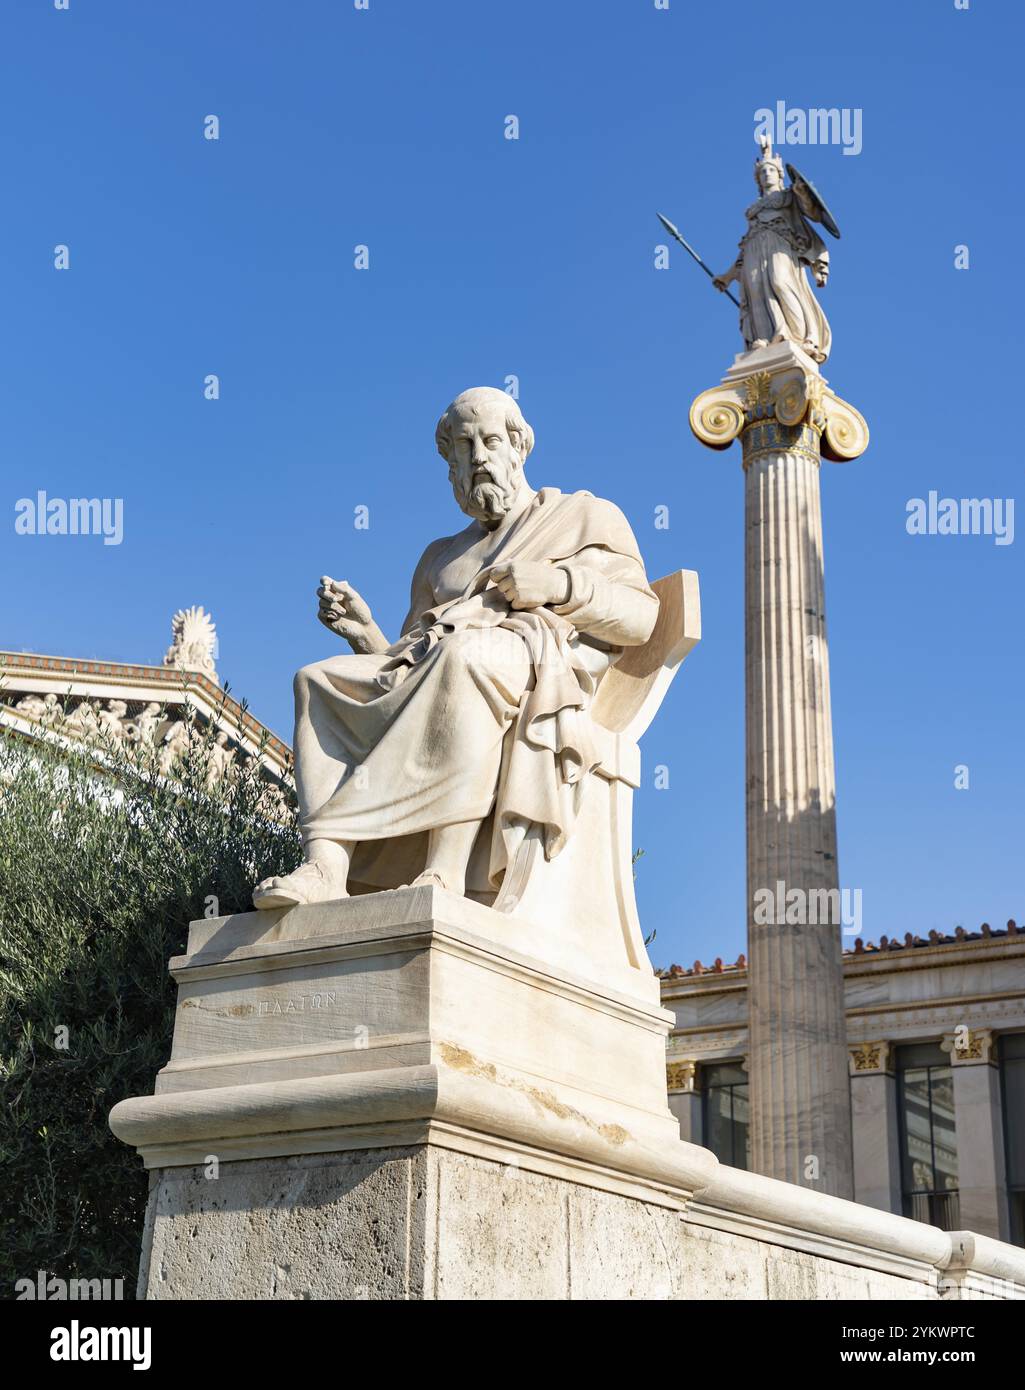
{"points": [[776, 301], [479, 711]]}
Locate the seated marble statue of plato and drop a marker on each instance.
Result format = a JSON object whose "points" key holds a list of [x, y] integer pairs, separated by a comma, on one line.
{"points": [[415, 755]]}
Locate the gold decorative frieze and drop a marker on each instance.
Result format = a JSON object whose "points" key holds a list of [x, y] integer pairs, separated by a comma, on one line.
{"points": [[769, 437]]}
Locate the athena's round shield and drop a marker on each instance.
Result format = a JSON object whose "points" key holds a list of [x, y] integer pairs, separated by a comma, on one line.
{"points": [[822, 213]]}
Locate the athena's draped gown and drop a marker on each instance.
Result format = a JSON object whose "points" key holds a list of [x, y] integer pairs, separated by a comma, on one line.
{"points": [[776, 300]]}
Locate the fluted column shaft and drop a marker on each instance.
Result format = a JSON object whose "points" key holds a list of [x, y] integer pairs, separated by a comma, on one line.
{"points": [[776, 401], [797, 1063]]}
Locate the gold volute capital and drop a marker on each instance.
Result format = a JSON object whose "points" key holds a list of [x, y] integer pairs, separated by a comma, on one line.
{"points": [[792, 397]]}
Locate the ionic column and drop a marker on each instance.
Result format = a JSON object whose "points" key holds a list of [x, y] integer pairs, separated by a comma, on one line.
{"points": [[777, 403], [979, 1122], [875, 1125]]}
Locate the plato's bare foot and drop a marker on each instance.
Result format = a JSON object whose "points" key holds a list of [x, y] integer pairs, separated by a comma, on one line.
{"points": [[431, 878], [448, 856], [307, 884]]}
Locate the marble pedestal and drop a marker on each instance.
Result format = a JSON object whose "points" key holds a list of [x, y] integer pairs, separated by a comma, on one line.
{"points": [[363, 1098]]}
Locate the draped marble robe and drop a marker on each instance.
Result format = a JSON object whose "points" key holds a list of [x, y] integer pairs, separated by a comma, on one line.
{"points": [[776, 300], [478, 712]]}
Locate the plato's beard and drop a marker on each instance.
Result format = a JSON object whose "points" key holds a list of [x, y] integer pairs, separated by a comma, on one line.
{"points": [[487, 501]]}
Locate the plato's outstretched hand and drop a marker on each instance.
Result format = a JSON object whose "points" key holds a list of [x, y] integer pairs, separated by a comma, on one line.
{"points": [[531, 584], [345, 612]]}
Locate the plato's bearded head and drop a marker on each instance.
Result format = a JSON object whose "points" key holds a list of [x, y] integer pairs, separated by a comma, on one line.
{"points": [[485, 440]]}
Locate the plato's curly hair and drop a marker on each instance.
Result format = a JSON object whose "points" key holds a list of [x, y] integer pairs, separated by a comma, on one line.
{"points": [[520, 434]]}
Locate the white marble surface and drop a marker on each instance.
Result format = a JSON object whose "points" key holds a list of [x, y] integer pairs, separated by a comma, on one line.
{"points": [[430, 758]]}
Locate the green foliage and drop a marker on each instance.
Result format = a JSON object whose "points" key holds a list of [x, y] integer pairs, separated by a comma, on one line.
{"points": [[103, 863]]}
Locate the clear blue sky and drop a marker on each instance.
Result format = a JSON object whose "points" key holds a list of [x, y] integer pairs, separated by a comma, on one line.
{"points": [[532, 257]]}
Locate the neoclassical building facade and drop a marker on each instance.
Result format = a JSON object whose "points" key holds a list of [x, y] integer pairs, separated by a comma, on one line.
{"points": [[936, 1037], [64, 700]]}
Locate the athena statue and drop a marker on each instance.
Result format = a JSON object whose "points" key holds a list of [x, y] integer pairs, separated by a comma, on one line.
{"points": [[776, 300]]}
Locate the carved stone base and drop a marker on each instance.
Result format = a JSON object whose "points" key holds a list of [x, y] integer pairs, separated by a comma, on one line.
{"points": [[421, 1222], [396, 1018]]}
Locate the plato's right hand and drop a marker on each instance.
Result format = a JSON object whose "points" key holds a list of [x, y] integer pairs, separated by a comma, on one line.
{"points": [[341, 608]]}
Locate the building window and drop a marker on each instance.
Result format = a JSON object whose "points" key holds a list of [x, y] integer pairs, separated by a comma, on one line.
{"points": [[724, 1113], [928, 1137], [1012, 1088]]}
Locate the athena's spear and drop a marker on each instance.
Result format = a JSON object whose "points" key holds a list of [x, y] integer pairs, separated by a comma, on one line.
{"points": [[673, 232]]}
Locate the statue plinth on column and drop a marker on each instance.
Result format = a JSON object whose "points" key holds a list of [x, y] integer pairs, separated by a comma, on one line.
{"points": [[777, 403]]}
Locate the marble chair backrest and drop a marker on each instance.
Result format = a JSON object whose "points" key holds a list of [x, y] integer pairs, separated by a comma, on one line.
{"points": [[578, 909], [630, 694]]}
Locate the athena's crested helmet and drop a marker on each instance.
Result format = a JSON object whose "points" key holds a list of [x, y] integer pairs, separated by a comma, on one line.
{"points": [[469, 403], [767, 158]]}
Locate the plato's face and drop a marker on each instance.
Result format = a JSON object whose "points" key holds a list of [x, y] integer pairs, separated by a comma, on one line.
{"points": [[485, 468]]}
